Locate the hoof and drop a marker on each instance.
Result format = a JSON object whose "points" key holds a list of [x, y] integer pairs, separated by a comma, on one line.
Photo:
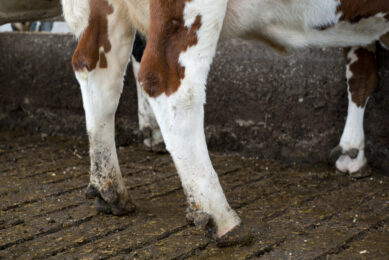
{"points": [[240, 235], [120, 209], [152, 139], [157, 148], [102, 206], [91, 192], [364, 172], [110, 202], [199, 218]]}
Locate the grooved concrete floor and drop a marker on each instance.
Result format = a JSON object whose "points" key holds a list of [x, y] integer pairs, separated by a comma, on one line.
{"points": [[295, 211]]}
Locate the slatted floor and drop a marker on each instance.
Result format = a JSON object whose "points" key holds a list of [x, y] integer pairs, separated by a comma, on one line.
{"points": [[295, 211]]}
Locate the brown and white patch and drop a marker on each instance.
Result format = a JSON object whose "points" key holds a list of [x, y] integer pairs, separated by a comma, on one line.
{"points": [[94, 42], [362, 73], [355, 10], [161, 71]]}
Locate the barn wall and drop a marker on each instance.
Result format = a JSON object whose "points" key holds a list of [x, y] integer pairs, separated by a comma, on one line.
{"points": [[28, 10], [258, 103]]}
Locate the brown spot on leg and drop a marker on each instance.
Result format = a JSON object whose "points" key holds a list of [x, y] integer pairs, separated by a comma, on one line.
{"points": [[160, 70], [94, 37], [364, 77]]}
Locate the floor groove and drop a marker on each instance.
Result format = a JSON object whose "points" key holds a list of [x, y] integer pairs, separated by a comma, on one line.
{"points": [[294, 211]]}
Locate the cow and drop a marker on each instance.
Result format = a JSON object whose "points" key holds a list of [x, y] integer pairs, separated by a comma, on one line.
{"points": [[182, 36]]}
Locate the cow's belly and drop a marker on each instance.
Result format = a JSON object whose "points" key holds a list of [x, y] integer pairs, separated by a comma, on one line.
{"points": [[299, 23]]}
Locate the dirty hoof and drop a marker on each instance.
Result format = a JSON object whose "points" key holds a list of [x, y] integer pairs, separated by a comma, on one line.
{"points": [[152, 139], [117, 210], [364, 172], [102, 206], [353, 162], [123, 209], [157, 148], [110, 202], [240, 235], [91, 192], [199, 218]]}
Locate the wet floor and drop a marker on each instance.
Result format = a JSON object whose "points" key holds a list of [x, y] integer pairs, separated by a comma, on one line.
{"points": [[294, 211]]}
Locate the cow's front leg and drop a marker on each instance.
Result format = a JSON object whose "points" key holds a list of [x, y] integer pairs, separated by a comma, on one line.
{"points": [[182, 128], [362, 78], [147, 123], [180, 48], [100, 62]]}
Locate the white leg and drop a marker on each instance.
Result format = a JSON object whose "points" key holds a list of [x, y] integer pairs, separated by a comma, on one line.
{"points": [[147, 121], [362, 78], [180, 111], [183, 130], [100, 61], [353, 139]]}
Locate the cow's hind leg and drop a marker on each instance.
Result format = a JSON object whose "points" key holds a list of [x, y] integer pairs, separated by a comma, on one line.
{"points": [[100, 62], [147, 123], [362, 78]]}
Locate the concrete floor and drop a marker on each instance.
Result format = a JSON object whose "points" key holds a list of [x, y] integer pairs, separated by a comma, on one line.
{"points": [[295, 211]]}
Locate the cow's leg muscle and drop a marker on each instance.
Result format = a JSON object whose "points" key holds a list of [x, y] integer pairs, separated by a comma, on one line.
{"points": [[100, 62], [362, 78]]}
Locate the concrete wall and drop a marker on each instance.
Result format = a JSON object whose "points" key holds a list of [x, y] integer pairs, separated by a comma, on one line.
{"points": [[28, 10], [258, 103]]}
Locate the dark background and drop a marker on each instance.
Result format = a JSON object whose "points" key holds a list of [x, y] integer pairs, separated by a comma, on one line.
{"points": [[259, 104]]}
